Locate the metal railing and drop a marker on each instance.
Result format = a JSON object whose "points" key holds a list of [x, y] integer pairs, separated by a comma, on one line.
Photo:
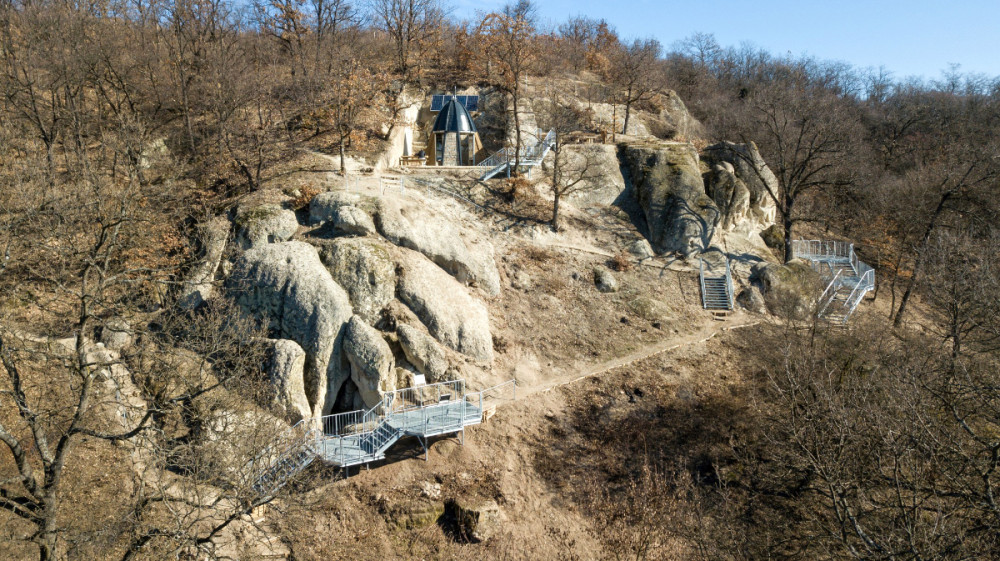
{"points": [[363, 436], [727, 277], [831, 290], [822, 249], [530, 156], [729, 285], [861, 280], [289, 453], [388, 183], [701, 279]]}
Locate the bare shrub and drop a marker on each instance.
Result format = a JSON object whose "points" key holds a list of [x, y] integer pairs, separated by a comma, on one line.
{"points": [[621, 262]]}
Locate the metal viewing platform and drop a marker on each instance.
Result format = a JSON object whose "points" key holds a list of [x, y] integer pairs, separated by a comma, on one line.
{"points": [[364, 436], [848, 278]]}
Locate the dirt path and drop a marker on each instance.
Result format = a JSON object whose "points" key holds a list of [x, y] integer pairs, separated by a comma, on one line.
{"points": [[709, 331]]}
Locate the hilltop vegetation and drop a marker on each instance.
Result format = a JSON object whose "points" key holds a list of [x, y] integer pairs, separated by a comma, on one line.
{"points": [[176, 236]]}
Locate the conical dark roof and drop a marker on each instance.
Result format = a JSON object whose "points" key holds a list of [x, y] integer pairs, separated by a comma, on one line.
{"points": [[454, 118]]}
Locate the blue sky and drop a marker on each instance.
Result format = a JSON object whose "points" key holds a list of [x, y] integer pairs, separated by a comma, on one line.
{"points": [[911, 38]]}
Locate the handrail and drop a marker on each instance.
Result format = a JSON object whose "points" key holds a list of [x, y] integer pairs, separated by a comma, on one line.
{"points": [[701, 279], [729, 285], [859, 292], [822, 297]]}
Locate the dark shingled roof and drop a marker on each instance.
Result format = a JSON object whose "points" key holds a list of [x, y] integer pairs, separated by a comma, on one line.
{"points": [[454, 118]]}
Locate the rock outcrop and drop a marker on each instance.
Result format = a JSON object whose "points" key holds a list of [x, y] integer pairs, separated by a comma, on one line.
{"points": [[790, 290], [324, 206], [450, 313], [423, 352], [285, 371], [287, 285], [352, 220], [666, 181], [605, 281], [418, 227], [593, 169], [199, 286], [372, 365], [740, 182], [264, 224], [366, 270]]}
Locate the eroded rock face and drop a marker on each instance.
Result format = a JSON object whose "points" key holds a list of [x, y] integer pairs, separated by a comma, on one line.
{"points": [[264, 224], [594, 169], [445, 306], [285, 368], [199, 287], [667, 184], [366, 270], [739, 183], [423, 352], [790, 290], [418, 227], [352, 220], [324, 206], [287, 285], [372, 365]]}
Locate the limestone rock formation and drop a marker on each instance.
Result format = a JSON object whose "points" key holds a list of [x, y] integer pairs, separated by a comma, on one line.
{"points": [[641, 249], [596, 167], [287, 284], [324, 206], [285, 368], [366, 270], [198, 287], [264, 224], [372, 366], [751, 299], [739, 183], [790, 290], [450, 313], [352, 220], [116, 334], [417, 226], [423, 352], [667, 184], [605, 281]]}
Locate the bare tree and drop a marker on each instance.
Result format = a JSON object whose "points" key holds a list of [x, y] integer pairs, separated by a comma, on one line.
{"points": [[510, 55], [806, 135], [633, 70], [574, 168], [358, 99], [411, 24]]}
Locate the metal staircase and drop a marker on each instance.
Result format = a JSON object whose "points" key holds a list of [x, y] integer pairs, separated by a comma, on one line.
{"points": [[531, 156], [848, 278], [716, 290], [362, 437]]}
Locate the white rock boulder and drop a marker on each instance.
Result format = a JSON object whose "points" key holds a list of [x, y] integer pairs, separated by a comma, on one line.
{"points": [[423, 352], [372, 364], [285, 369], [416, 226], [364, 268], [444, 305], [287, 285]]}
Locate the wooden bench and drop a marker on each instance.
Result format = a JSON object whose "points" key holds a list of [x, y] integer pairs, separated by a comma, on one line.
{"points": [[412, 161]]}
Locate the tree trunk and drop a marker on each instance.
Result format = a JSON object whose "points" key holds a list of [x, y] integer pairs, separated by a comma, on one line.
{"points": [[555, 213], [556, 191], [517, 132], [786, 223], [920, 259], [628, 112], [343, 166]]}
